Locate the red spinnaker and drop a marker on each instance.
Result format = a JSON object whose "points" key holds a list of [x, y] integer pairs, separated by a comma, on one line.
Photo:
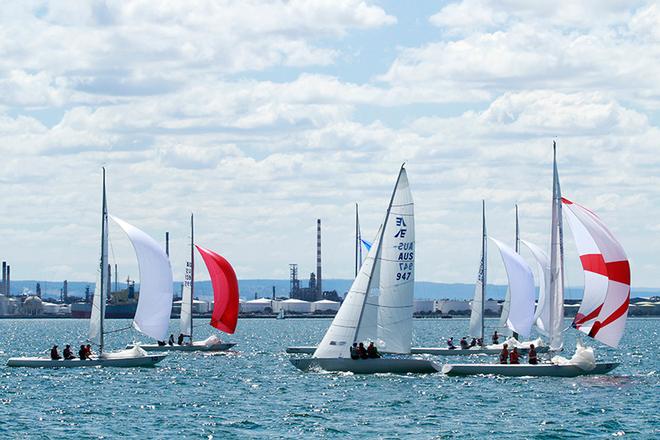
{"points": [[225, 291]]}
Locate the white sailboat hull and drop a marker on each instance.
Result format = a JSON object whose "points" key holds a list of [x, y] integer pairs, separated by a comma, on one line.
{"points": [[123, 362], [196, 346], [368, 366], [549, 370], [435, 351]]}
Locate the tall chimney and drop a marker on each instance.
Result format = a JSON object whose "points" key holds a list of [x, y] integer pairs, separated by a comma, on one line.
{"points": [[8, 282], [167, 243], [109, 281], [65, 292], [318, 256], [4, 278]]}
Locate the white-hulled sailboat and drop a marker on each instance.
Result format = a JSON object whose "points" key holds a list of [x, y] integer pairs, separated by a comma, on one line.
{"points": [[378, 307], [604, 308], [225, 305], [154, 303]]}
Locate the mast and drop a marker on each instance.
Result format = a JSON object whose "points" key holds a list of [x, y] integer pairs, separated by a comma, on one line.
{"points": [[104, 265], [358, 245], [192, 272], [517, 241], [556, 261], [484, 265], [379, 248]]}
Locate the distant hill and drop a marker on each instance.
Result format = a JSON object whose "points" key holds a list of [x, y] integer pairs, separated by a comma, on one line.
{"points": [[264, 288]]}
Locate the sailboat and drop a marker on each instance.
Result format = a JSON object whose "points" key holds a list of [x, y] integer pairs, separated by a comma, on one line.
{"points": [[154, 303], [603, 312], [280, 314], [225, 305], [378, 306]]}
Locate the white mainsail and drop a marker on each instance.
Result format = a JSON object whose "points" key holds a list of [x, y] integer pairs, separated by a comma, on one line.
{"points": [[378, 307], [185, 319], [98, 302], [542, 314], [477, 306], [397, 271], [521, 286], [155, 302], [556, 291]]}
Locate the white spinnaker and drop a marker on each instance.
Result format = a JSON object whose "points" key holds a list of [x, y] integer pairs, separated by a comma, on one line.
{"points": [[612, 261], [477, 306], [185, 321], [595, 284], [155, 302], [344, 328], [98, 302], [542, 314], [506, 307], [556, 291], [521, 286], [397, 272]]}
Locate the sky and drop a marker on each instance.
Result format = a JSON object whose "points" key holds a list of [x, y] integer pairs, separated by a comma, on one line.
{"points": [[262, 116]]}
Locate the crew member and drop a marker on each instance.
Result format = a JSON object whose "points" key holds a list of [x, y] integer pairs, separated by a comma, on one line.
{"points": [[533, 360], [496, 338], [82, 353], [68, 354], [354, 351], [504, 354], [180, 339], [372, 351], [171, 340], [450, 344], [514, 357], [464, 344], [362, 351], [473, 342], [54, 355]]}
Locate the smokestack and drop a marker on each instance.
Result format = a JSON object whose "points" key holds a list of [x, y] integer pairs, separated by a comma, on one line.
{"points": [[318, 256], [167, 243], [4, 278], [8, 282], [109, 281], [116, 280], [65, 292], [273, 292]]}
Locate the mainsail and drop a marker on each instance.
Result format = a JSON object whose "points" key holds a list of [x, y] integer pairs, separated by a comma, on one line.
{"points": [[98, 303], [477, 306], [521, 286], [225, 291], [605, 306], [155, 302], [556, 291], [378, 306], [185, 319]]}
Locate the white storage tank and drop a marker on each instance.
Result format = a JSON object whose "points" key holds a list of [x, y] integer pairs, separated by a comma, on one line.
{"points": [[325, 305], [293, 305]]}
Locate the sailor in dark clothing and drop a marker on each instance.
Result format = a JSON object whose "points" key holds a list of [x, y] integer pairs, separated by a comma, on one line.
{"points": [[473, 342], [504, 354], [450, 344], [496, 338], [372, 351], [464, 344], [533, 360], [354, 351], [362, 351], [514, 356], [180, 339], [161, 343], [82, 353], [171, 340], [68, 354], [54, 355]]}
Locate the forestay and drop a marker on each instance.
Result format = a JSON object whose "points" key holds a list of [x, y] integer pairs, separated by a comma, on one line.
{"points": [[542, 314], [155, 302], [608, 261], [521, 286]]}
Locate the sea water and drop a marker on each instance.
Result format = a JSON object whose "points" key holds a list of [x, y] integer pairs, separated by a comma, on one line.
{"points": [[254, 392]]}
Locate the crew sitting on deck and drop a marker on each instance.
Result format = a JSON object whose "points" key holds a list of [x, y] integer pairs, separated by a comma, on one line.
{"points": [[68, 354], [473, 342], [504, 354], [533, 360], [171, 340], [514, 358], [161, 343], [354, 351], [362, 351], [180, 339], [54, 355], [480, 342], [464, 344], [372, 351], [82, 353], [88, 351], [496, 338], [450, 344]]}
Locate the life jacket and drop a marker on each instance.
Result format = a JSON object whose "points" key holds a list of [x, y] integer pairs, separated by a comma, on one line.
{"points": [[532, 357], [514, 358], [504, 356]]}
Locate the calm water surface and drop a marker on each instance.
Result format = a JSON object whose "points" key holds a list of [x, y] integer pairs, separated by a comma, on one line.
{"points": [[255, 392]]}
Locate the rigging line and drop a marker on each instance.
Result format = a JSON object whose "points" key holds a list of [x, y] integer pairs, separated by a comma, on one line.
{"points": [[118, 330]]}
